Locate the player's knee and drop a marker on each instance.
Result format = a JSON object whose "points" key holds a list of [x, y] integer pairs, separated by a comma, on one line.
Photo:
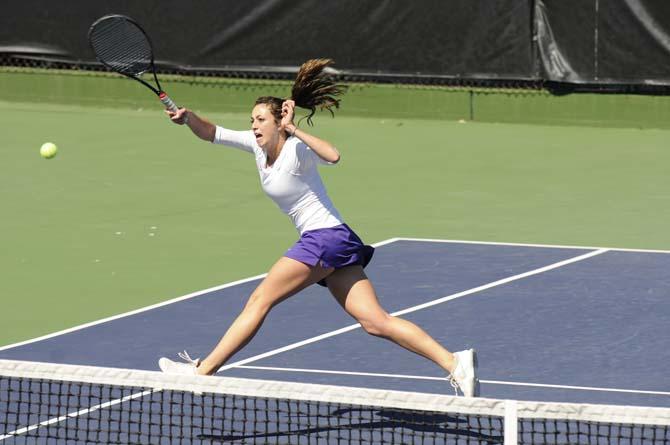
{"points": [[379, 326]]}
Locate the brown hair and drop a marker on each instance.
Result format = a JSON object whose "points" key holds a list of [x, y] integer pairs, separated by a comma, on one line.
{"points": [[313, 87]]}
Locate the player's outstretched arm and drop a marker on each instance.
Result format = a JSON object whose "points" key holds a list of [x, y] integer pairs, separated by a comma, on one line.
{"points": [[202, 128]]}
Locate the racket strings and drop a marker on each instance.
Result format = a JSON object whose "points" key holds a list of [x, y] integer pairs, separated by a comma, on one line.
{"points": [[121, 45]]}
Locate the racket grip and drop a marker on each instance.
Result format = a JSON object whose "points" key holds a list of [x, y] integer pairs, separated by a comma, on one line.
{"points": [[167, 101]]}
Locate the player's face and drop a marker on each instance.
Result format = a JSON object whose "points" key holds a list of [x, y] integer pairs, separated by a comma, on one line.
{"points": [[264, 126]]}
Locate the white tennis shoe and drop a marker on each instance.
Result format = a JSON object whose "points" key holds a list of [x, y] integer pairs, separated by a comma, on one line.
{"points": [[188, 367], [464, 376]]}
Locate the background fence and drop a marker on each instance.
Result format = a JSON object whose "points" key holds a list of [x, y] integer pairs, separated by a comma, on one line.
{"points": [[562, 45]]}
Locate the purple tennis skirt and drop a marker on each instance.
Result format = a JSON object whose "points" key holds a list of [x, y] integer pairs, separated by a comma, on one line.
{"points": [[336, 247]]}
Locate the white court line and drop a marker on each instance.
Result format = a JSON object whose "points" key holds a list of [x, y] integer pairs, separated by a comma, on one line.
{"points": [[418, 307], [551, 246], [324, 371], [385, 242], [491, 382], [128, 314], [76, 414], [581, 388]]}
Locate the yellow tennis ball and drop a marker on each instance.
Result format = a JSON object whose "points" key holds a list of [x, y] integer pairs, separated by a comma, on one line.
{"points": [[48, 150]]}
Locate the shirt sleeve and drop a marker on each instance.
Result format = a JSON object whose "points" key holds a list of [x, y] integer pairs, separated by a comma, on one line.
{"points": [[319, 160], [244, 140], [307, 156]]}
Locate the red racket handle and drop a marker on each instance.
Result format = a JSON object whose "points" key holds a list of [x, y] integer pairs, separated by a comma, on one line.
{"points": [[167, 101]]}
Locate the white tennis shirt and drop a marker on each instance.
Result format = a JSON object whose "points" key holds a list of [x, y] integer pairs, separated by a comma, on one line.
{"points": [[292, 182]]}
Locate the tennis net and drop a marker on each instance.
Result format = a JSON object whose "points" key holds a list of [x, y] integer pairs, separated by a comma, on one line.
{"points": [[51, 403]]}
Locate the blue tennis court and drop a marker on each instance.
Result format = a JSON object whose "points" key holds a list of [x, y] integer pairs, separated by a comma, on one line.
{"points": [[561, 324]]}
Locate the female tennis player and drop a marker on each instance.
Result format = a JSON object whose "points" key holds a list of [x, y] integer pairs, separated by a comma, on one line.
{"points": [[328, 251]]}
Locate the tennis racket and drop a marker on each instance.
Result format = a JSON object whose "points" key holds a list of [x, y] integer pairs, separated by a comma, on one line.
{"points": [[121, 44]]}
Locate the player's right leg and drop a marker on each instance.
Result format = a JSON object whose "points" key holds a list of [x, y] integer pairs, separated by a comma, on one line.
{"points": [[286, 277]]}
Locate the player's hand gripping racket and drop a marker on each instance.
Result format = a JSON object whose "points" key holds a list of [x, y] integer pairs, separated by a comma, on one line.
{"points": [[122, 45]]}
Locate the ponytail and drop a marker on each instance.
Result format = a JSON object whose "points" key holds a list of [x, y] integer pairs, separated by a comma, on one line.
{"points": [[313, 88]]}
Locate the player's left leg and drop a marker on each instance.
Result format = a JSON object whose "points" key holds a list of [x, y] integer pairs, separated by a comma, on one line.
{"points": [[355, 293]]}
